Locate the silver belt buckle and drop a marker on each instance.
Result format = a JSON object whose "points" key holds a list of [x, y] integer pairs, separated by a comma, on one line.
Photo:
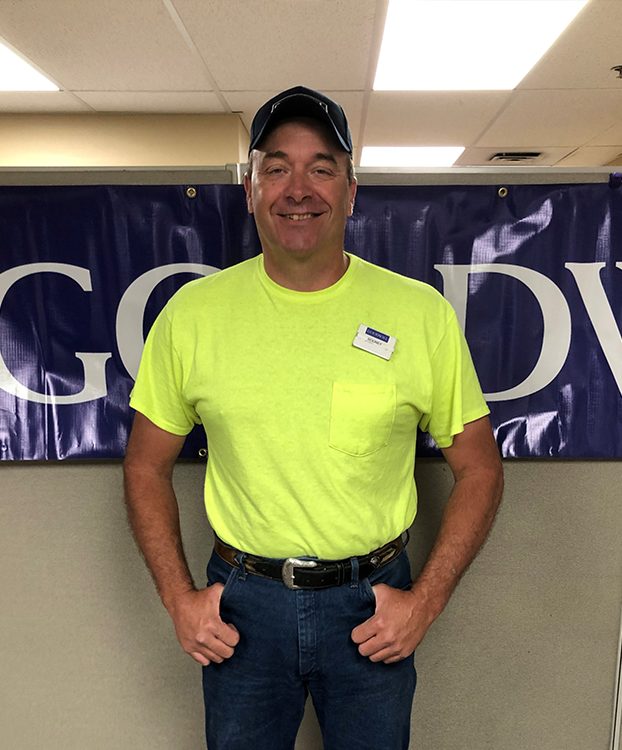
{"points": [[288, 571]]}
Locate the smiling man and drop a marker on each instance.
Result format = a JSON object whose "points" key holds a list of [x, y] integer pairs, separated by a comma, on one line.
{"points": [[311, 371]]}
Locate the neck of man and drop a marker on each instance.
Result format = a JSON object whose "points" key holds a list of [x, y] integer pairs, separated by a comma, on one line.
{"points": [[309, 273]]}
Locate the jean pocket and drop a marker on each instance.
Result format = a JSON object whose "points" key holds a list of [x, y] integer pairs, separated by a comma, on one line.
{"points": [[361, 417], [368, 590], [229, 584]]}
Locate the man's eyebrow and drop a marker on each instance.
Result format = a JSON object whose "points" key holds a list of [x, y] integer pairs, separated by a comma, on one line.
{"points": [[325, 157], [320, 156], [276, 155]]}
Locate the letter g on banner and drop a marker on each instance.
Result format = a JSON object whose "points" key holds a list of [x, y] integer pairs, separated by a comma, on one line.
{"points": [[555, 313], [94, 363], [131, 310]]}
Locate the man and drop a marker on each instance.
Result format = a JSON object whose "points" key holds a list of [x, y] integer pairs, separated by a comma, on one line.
{"points": [[310, 370]]}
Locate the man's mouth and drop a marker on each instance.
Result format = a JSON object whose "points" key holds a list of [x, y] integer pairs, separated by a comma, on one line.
{"points": [[299, 217]]}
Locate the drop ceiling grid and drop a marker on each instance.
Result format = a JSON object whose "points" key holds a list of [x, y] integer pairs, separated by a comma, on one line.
{"points": [[110, 45], [129, 56], [275, 44]]}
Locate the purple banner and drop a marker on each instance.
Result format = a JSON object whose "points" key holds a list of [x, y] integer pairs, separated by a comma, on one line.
{"points": [[535, 278]]}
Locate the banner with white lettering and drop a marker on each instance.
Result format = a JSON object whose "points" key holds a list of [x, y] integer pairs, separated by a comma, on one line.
{"points": [[535, 278]]}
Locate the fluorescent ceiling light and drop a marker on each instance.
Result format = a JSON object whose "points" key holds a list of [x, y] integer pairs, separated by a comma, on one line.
{"points": [[410, 156], [451, 45], [17, 75]]}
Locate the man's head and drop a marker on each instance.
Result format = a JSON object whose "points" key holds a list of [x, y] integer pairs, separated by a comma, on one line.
{"points": [[301, 102], [300, 181]]}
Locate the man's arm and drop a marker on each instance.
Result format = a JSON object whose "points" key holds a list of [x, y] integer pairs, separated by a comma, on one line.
{"points": [[403, 617], [154, 516]]}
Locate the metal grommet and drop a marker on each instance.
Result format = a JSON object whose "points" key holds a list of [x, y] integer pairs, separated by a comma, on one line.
{"points": [[202, 452], [191, 193], [503, 191]]}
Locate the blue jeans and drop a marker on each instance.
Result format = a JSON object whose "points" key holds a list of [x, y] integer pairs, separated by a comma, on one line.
{"points": [[296, 642]]}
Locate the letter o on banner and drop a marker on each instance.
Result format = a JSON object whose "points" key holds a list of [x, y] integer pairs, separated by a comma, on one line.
{"points": [[129, 325]]}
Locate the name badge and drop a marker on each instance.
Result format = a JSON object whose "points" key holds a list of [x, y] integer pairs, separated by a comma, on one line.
{"points": [[374, 342]]}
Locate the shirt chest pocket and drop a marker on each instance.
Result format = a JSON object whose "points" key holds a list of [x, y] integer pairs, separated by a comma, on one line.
{"points": [[361, 417]]}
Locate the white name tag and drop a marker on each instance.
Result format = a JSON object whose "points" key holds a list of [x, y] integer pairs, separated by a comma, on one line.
{"points": [[374, 342]]}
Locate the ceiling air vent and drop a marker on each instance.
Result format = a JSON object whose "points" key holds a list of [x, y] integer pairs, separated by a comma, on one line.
{"points": [[515, 156]]}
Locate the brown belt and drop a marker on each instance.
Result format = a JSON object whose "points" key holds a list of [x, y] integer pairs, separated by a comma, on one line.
{"points": [[310, 574]]}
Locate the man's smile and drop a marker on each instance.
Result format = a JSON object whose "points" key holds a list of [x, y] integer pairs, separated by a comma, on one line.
{"points": [[298, 217]]}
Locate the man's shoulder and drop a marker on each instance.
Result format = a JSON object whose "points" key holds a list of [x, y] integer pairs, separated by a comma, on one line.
{"points": [[402, 288], [212, 288]]}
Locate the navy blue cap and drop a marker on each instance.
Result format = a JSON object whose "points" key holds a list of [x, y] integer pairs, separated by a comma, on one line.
{"points": [[301, 102]]}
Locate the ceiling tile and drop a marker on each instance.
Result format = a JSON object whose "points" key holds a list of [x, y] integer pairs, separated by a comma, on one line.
{"points": [[40, 101], [152, 101], [105, 45], [611, 137], [584, 54], [591, 156], [248, 102], [554, 118], [276, 44], [480, 157], [429, 118]]}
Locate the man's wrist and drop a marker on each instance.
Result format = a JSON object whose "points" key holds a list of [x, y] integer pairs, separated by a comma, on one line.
{"points": [[172, 599], [430, 601]]}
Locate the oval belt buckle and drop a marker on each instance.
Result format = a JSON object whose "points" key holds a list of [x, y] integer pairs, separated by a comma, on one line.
{"points": [[288, 571]]}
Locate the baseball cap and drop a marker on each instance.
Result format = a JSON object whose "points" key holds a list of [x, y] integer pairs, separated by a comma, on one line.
{"points": [[301, 102]]}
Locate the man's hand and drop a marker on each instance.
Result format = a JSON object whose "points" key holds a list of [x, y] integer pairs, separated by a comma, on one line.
{"points": [[402, 619], [201, 632]]}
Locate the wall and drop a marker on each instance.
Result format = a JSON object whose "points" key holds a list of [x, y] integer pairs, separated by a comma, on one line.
{"points": [[121, 140], [523, 657]]}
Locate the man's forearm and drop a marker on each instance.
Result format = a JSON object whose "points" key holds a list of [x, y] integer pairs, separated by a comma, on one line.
{"points": [[154, 517], [467, 519]]}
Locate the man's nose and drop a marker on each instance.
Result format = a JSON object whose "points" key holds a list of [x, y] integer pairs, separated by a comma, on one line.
{"points": [[299, 186]]}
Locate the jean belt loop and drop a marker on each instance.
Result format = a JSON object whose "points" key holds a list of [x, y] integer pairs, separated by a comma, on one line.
{"points": [[354, 580], [239, 558]]}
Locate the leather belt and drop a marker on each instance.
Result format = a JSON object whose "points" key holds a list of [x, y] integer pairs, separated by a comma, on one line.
{"points": [[310, 574]]}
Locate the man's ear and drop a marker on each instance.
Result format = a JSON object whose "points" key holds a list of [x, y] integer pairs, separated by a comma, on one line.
{"points": [[249, 198], [352, 196]]}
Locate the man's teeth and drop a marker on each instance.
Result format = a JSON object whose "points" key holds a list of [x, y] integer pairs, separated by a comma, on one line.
{"points": [[299, 217]]}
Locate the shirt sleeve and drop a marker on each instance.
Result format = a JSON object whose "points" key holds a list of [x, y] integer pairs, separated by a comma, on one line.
{"points": [[159, 389], [456, 394]]}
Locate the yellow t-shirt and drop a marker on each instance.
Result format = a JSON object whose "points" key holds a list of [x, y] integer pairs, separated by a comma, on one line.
{"points": [[311, 440]]}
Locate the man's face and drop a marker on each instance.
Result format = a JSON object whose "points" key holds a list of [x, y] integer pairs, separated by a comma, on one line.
{"points": [[299, 191]]}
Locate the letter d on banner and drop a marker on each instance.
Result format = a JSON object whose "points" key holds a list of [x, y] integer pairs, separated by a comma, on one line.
{"points": [[555, 312]]}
